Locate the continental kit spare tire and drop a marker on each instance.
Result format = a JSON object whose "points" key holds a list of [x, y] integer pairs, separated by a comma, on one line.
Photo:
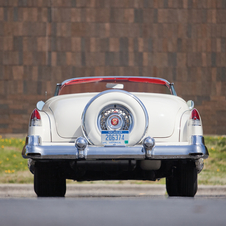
{"points": [[114, 110]]}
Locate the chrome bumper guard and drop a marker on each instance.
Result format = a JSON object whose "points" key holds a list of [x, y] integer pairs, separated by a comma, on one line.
{"points": [[196, 149]]}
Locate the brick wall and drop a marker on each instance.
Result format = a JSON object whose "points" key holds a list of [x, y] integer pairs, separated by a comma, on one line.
{"points": [[43, 42]]}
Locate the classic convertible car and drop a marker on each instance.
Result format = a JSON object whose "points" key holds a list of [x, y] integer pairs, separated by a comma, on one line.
{"points": [[115, 128]]}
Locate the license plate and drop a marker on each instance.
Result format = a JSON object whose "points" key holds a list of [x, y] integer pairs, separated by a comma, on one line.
{"points": [[120, 137]]}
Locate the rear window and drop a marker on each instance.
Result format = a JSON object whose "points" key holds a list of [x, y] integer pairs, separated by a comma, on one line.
{"points": [[99, 86]]}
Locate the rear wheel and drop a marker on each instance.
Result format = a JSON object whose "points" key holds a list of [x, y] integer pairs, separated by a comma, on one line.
{"points": [[183, 181], [48, 180]]}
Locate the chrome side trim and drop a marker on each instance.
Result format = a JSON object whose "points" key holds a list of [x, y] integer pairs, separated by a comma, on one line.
{"points": [[195, 150], [111, 91]]}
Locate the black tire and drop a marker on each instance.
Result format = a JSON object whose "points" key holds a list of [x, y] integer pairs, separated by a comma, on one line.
{"points": [[189, 185], [172, 184], [48, 180], [183, 181]]}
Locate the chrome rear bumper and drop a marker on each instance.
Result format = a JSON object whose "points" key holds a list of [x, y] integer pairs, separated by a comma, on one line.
{"points": [[33, 149]]}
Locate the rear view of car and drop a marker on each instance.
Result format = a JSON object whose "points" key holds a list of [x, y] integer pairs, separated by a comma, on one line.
{"points": [[115, 128]]}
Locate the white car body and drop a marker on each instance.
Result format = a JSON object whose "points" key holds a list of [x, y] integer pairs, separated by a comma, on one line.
{"points": [[164, 133]]}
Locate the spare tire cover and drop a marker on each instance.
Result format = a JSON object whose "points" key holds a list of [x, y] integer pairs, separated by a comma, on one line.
{"points": [[128, 104]]}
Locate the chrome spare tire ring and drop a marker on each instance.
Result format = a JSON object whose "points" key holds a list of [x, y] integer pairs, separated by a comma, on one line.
{"points": [[114, 110]]}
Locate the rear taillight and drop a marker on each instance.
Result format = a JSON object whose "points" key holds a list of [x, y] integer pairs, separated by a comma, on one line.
{"points": [[195, 117], [35, 119]]}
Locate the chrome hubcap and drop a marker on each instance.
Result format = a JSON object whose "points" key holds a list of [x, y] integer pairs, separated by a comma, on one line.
{"points": [[115, 117], [114, 121]]}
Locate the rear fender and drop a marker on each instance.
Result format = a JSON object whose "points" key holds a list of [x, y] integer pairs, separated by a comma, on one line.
{"points": [[44, 130], [188, 128]]}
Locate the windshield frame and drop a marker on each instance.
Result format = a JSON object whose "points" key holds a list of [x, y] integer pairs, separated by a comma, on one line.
{"points": [[153, 80]]}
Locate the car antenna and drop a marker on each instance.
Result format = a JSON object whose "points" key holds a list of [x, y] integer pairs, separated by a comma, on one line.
{"points": [[45, 95]]}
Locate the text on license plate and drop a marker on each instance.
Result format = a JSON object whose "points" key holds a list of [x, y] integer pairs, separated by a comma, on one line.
{"points": [[120, 137]]}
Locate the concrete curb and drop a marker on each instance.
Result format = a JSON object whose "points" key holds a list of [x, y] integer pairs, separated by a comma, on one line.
{"points": [[106, 190]]}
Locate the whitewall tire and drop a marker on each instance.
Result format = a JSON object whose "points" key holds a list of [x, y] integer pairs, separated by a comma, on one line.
{"points": [[90, 127]]}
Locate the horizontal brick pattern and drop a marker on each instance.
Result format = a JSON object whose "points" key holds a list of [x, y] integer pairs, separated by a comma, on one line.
{"points": [[43, 42]]}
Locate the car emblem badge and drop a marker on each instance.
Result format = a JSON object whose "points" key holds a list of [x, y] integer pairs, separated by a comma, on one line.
{"points": [[114, 121]]}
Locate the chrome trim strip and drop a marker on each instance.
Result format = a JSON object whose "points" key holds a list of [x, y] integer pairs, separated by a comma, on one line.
{"points": [[109, 91], [195, 150]]}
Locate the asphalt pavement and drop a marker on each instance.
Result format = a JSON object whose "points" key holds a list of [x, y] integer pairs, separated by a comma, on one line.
{"points": [[111, 205], [112, 211], [107, 190]]}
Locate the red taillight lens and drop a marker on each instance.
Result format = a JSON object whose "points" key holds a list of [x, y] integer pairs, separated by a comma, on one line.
{"points": [[35, 119], [195, 115], [35, 115], [195, 118]]}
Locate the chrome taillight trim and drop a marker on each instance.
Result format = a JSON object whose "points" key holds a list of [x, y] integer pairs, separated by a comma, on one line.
{"points": [[35, 118]]}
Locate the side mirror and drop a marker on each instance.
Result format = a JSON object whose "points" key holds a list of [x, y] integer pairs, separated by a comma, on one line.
{"points": [[40, 105], [190, 104]]}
